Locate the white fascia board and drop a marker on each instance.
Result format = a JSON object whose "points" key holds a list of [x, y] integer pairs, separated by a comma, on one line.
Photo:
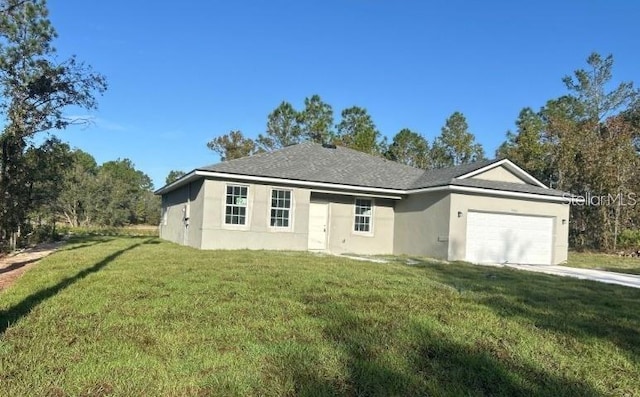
{"points": [[177, 183], [357, 194], [509, 165], [502, 193], [430, 189], [283, 181]]}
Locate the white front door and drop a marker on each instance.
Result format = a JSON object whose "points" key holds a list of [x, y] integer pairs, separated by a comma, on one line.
{"points": [[318, 216], [509, 238]]}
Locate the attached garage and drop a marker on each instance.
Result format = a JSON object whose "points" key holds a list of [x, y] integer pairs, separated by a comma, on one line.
{"points": [[509, 238]]}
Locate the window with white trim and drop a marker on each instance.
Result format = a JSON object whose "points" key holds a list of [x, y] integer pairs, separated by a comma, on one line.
{"points": [[236, 205], [280, 208], [363, 211]]}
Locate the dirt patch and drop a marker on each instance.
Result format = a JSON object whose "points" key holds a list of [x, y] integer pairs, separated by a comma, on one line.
{"points": [[14, 265]]}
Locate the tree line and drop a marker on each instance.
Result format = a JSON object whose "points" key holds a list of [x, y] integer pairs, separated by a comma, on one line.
{"points": [[67, 185], [586, 142], [356, 130]]}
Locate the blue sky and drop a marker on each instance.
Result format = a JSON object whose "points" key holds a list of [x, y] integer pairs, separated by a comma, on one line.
{"points": [[182, 73]]}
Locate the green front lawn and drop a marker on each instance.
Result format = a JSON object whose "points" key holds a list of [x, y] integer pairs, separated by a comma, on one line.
{"points": [[141, 317], [612, 263]]}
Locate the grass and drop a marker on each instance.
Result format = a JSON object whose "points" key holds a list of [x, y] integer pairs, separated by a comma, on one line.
{"points": [[612, 263], [139, 317]]}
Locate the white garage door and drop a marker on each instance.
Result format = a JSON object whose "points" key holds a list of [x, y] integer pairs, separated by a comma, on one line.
{"points": [[506, 238]]}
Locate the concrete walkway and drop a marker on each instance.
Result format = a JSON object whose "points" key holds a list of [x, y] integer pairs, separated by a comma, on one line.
{"points": [[628, 280]]}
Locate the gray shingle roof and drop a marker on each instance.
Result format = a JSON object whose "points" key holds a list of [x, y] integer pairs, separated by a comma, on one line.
{"points": [[442, 176], [311, 162]]}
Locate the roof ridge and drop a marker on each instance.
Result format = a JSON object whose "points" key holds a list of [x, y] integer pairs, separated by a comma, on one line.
{"points": [[314, 162]]}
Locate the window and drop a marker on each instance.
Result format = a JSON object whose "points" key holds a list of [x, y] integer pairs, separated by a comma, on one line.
{"points": [[280, 208], [236, 207], [363, 216]]}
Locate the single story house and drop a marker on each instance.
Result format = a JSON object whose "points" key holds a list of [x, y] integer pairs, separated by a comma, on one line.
{"points": [[333, 199]]}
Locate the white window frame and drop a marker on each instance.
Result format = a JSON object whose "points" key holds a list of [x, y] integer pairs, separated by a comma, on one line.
{"points": [[290, 209], [247, 207], [370, 216]]}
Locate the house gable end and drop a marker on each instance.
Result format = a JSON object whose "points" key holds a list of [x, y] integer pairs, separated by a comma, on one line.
{"points": [[485, 173], [500, 174]]}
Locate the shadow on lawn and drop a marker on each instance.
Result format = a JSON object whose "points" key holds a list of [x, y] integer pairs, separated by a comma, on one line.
{"points": [[559, 304], [78, 242], [433, 365], [17, 265], [16, 312]]}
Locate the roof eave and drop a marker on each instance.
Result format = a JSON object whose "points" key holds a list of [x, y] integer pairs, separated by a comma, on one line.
{"points": [[373, 191], [196, 174], [567, 199], [183, 180]]}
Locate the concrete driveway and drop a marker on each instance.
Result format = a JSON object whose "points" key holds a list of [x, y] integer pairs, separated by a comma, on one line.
{"points": [[628, 280]]}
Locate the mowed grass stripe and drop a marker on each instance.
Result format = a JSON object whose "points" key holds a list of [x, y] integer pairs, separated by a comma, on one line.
{"points": [[138, 316], [608, 262]]}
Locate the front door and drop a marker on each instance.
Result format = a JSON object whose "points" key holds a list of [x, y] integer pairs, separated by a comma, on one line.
{"points": [[318, 217]]}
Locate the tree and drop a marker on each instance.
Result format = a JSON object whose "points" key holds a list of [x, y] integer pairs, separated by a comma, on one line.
{"points": [[357, 131], [456, 145], [148, 209], [232, 146], [527, 147], [410, 148], [594, 150], [173, 176], [35, 90], [283, 129], [113, 194], [80, 199], [589, 88], [124, 187], [316, 120], [46, 167]]}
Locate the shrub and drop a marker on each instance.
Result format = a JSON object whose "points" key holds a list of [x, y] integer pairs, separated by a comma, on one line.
{"points": [[42, 234], [629, 238]]}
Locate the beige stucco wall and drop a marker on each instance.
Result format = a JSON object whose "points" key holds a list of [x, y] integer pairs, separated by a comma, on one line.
{"points": [[257, 234], [206, 228], [196, 208], [342, 238], [422, 225], [186, 200], [466, 202], [499, 174]]}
